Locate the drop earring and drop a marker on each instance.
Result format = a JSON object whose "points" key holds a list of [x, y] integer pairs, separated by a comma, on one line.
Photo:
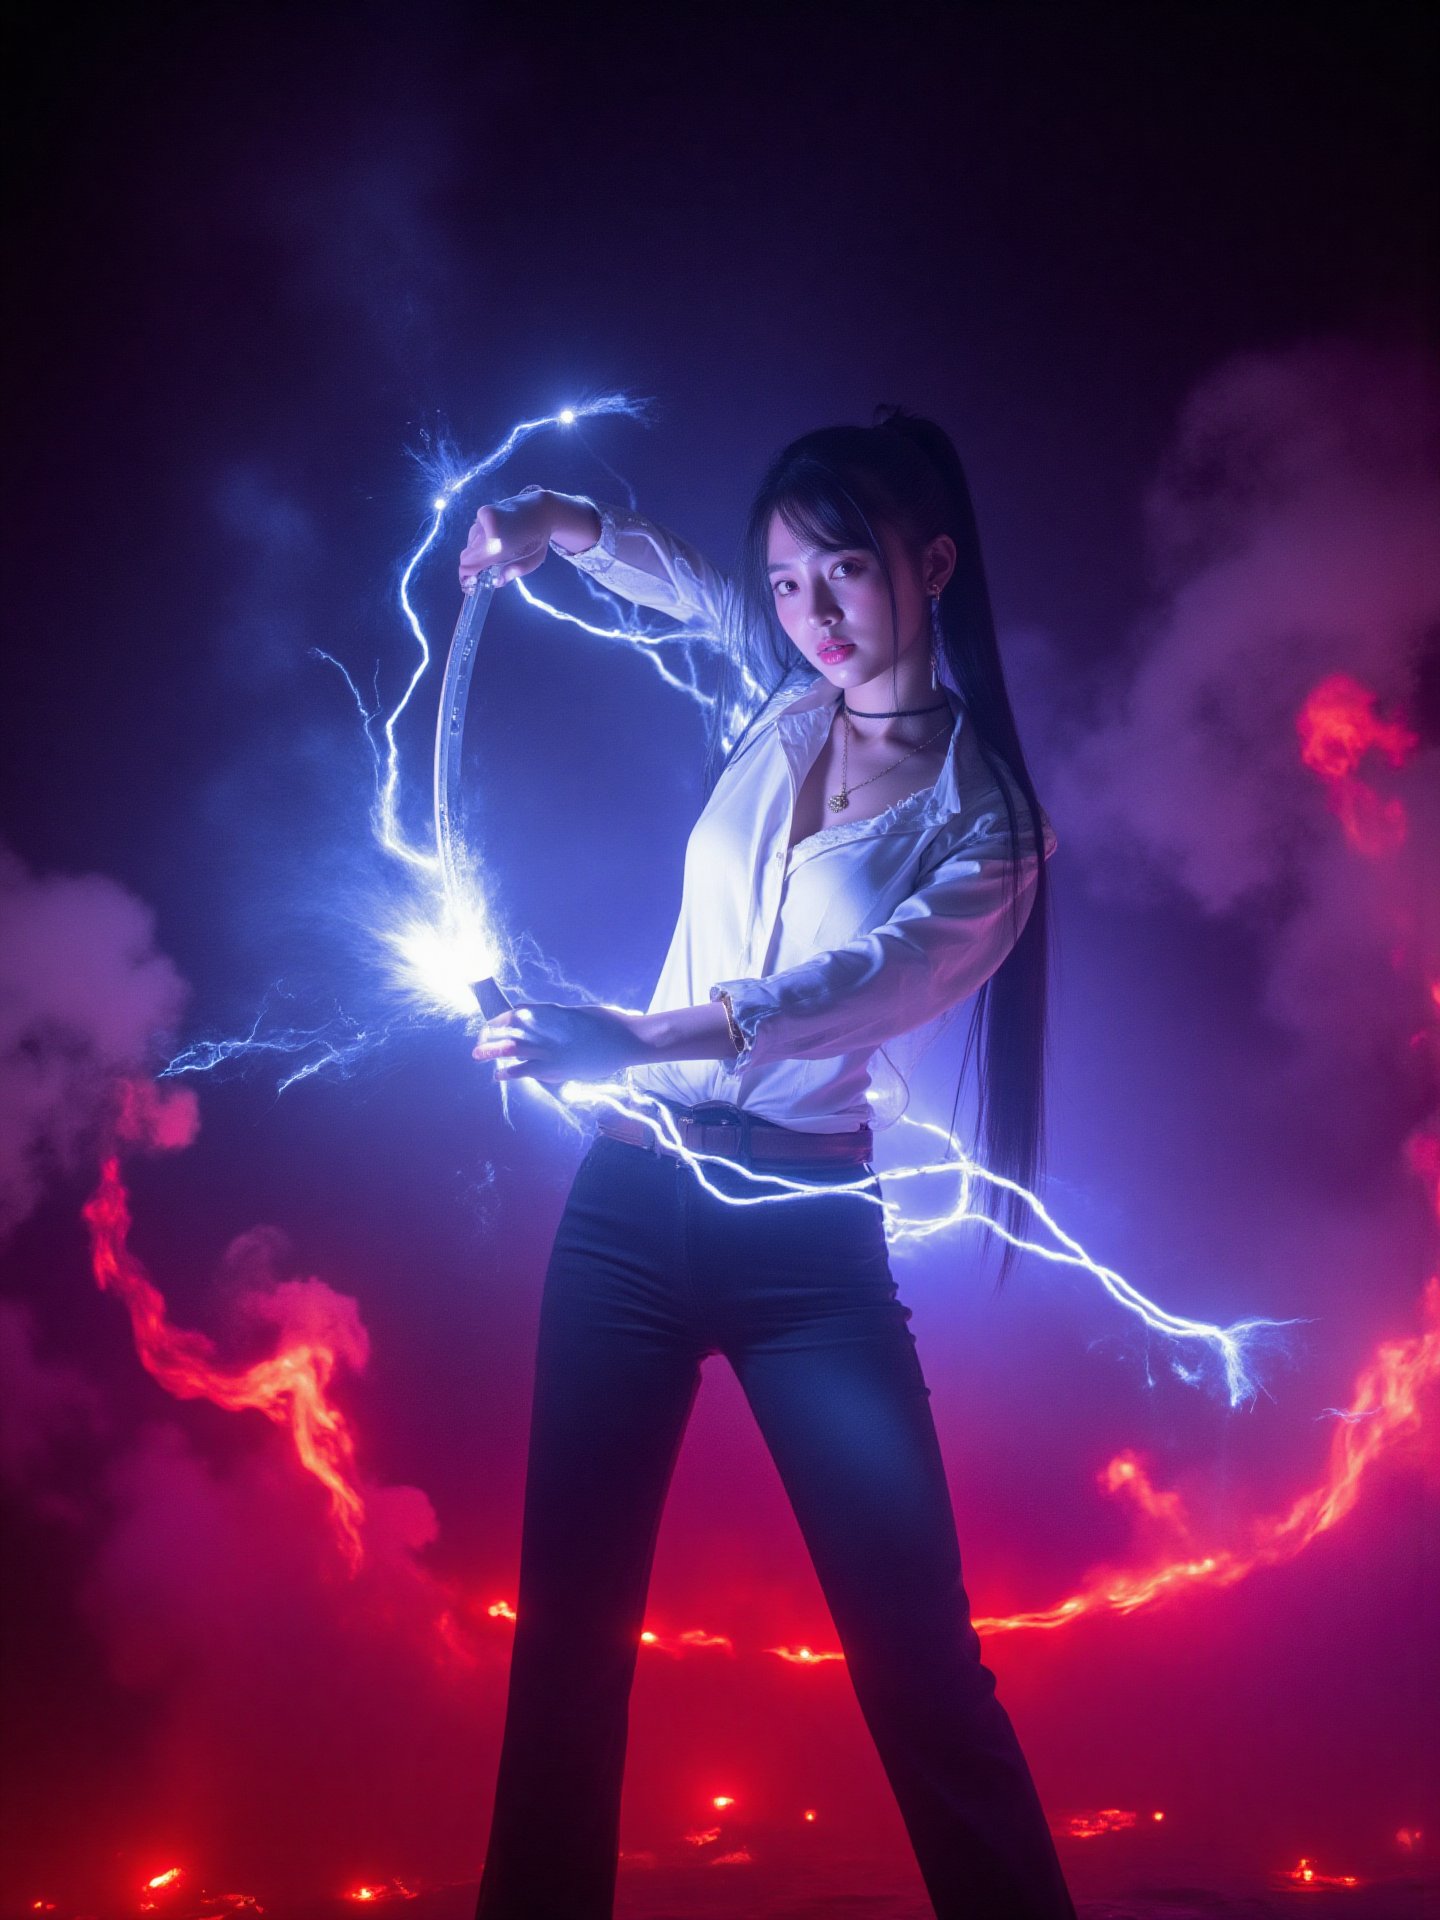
{"points": [[937, 641]]}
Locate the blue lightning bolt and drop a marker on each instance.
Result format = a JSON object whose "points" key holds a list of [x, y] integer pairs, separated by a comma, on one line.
{"points": [[450, 491], [1235, 1345], [685, 637]]}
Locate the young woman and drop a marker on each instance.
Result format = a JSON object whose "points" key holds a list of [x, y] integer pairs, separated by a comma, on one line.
{"points": [[871, 854]]}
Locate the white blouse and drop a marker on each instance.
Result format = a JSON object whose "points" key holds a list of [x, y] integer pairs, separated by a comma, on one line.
{"points": [[867, 930]]}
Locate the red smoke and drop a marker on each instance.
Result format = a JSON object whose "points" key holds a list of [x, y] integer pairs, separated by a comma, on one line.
{"points": [[1338, 727]]}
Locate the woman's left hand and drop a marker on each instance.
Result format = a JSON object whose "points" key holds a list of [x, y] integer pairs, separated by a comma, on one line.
{"points": [[541, 1041]]}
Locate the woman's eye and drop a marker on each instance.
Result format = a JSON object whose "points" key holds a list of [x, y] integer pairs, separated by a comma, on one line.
{"points": [[853, 566]]}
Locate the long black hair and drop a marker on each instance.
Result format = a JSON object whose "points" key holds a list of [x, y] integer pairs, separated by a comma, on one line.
{"points": [[834, 488]]}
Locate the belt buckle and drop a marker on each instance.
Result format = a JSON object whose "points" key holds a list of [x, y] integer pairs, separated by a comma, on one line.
{"points": [[727, 1114]]}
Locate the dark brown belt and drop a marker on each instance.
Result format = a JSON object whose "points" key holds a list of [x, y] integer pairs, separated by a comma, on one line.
{"points": [[718, 1127]]}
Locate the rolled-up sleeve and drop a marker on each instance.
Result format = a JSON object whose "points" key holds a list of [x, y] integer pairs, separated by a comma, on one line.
{"points": [[644, 562], [941, 944]]}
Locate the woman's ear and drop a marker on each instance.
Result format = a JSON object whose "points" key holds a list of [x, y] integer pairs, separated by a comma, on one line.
{"points": [[938, 562]]}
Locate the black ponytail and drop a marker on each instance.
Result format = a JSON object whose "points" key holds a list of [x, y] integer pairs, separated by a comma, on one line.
{"points": [[832, 488]]}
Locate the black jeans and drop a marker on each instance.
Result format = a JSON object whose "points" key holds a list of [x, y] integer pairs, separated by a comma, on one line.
{"points": [[650, 1274]]}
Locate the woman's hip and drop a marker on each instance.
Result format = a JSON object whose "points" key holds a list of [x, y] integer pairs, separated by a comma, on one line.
{"points": [[651, 1235]]}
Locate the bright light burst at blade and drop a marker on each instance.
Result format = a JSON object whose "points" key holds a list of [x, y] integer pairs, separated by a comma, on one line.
{"points": [[437, 961]]}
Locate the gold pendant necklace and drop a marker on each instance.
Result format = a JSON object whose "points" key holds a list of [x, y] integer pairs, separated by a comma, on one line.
{"points": [[841, 800]]}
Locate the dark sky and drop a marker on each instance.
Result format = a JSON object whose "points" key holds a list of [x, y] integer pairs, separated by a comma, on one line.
{"points": [[1169, 277]]}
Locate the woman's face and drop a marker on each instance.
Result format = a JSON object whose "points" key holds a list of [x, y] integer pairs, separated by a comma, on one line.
{"points": [[835, 606]]}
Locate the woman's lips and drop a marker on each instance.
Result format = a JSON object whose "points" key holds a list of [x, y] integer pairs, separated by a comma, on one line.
{"points": [[837, 651]]}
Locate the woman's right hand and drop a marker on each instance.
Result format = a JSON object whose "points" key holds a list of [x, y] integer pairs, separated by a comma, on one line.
{"points": [[510, 537]]}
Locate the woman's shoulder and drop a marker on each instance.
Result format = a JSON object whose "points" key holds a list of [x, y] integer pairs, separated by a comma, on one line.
{"points": [[980, 814], [759, 723]]}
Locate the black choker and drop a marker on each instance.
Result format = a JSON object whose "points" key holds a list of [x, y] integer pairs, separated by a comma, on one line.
{"points": [[900, 713]]}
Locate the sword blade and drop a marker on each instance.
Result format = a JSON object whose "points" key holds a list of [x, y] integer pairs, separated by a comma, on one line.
{"points": [[450, 734]]}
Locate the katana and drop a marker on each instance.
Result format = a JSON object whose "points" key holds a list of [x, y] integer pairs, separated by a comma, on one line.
{"points": [[449, 740]]}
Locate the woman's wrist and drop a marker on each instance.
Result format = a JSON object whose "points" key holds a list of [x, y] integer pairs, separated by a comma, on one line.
{"points": [[574, 523]]}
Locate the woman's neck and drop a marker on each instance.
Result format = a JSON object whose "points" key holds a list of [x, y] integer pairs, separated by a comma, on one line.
{"points": [[896, 707]]}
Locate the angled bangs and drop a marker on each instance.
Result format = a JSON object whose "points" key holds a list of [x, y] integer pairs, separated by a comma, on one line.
{"points": [[820, 510]]}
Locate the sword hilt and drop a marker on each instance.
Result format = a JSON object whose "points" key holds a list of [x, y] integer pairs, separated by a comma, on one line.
{"points": [[492, 999]]}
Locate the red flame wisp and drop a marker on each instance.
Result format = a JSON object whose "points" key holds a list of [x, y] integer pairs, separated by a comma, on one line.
{"points": [[1385, 1408], [290, 1387]]}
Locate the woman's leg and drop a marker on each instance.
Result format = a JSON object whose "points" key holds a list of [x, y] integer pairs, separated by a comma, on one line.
{"points": [[829, 1366], [616, 1376]]}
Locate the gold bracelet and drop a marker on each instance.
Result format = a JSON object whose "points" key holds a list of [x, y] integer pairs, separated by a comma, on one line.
{"points": [[735, 1034]]}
